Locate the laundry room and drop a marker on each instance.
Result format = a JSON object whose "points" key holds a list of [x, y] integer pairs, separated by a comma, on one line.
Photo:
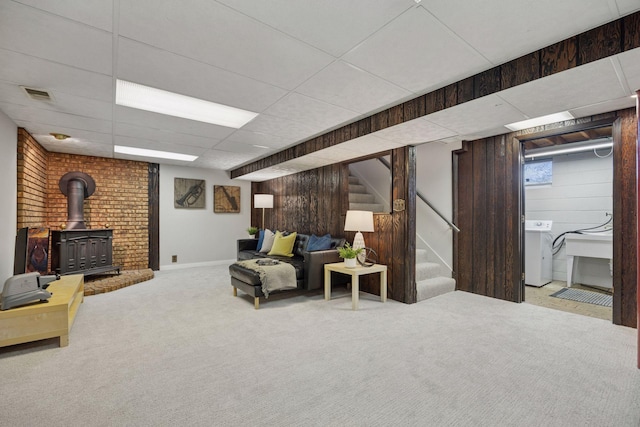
{"points": [[569, 222]]}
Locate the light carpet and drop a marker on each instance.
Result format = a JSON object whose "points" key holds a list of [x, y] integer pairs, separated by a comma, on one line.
{"points": [[181, 350]]}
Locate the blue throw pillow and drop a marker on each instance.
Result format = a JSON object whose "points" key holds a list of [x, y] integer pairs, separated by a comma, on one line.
{"points": [[319, 243], [260, 240]]}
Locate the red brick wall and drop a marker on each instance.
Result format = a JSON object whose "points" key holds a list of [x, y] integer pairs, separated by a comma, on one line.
{"points": [[120, 201], [32, 182]]}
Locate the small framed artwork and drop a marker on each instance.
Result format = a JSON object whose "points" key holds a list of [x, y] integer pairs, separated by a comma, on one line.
{"points": [[226, 199], [188, 193]]}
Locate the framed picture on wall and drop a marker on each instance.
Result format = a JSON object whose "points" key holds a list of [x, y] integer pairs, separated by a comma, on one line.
{"points": [[226, 199], [188, 193]]}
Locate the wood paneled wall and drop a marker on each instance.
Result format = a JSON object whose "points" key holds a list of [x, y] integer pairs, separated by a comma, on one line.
{"points": [[609, 39], [625, 214], [317, 200], [487, 210]]}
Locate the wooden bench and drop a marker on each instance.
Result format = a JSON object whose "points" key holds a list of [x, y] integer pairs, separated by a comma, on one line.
{"points": [[50, 319]]}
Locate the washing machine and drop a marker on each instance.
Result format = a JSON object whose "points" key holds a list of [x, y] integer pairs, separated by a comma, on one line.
{"points": [[538, 255]]}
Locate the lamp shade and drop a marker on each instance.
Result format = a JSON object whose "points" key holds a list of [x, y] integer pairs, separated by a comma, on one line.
{"points": [[263, 200], [359, 221]]}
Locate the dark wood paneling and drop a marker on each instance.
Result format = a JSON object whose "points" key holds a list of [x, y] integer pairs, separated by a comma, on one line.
{"points": [[487, 82], [154, 216], [558, 57], [519, 71], [601, 42], [631, 25], [435, 101], [316, 201], [625, 255], [465, 90], [486, 208]]}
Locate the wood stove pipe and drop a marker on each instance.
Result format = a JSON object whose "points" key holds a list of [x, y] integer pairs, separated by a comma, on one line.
{"points": [[77, 186]]}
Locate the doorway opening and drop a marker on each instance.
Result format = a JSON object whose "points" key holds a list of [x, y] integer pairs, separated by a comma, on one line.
{"points": [[568, 229]]}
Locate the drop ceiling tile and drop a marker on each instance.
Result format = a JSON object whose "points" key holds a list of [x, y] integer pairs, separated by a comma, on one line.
{"points": [[161, 135], [419, 53], [630, 64], [73, 145], [255, 138], [307, 110], [224, 160], [368, 144], [334, 26], [157, 145], [627, 6], [24, 70], [287, 129], [43, 130], [478, 115], [239, 147], [502, 30], [54, 118], [157, 68], [335, 154], [588, 84], [41, 34], [96, 13], [604, 107], [170, 124], [217, 35], [415, 131], [347, 86]]}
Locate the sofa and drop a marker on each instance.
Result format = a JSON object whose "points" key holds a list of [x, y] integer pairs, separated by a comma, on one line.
{"points": [[309, 265]]}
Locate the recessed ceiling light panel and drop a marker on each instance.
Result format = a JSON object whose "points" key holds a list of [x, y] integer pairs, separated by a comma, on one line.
{"points": [[133, 151], [160, 101], [540, 121]]}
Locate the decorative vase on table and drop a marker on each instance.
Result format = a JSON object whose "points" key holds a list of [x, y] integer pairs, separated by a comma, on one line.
{"points": [[350, 262]]}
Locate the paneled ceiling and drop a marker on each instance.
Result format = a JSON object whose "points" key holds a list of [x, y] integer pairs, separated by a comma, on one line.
{"points": [[306, 67]]}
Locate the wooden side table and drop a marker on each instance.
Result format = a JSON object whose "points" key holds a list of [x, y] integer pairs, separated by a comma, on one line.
{"points": [[355, 274]]}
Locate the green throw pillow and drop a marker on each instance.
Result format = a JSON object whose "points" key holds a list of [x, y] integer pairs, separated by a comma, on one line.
{"points": [[283, 245]]}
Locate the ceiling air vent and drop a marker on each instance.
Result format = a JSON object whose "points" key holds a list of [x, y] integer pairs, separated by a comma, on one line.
{"points": [[37, 94]]}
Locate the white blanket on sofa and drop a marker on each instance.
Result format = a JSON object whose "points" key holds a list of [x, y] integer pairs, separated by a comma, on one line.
{"points": [[278, 277]]}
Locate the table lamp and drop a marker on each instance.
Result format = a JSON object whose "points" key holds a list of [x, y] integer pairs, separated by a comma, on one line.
{"points": [[263, 201], [359, 221]]}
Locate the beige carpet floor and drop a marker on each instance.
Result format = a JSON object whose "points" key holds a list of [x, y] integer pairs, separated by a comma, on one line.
{"points": [[180, 350]]}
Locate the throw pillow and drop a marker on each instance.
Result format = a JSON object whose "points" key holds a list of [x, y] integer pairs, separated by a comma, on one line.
{"points": [[260, 240], [319, 243], [283, 245], [267, 242]]}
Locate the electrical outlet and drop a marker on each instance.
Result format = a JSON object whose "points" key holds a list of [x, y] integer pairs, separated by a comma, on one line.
{"points": [[174, 258]]}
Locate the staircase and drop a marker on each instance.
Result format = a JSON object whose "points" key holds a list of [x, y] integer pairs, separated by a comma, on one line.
{"points": [[429, 278], [360, 199]]}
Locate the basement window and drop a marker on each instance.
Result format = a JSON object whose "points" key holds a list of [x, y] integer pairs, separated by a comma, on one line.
{"points": [[538, 172]]}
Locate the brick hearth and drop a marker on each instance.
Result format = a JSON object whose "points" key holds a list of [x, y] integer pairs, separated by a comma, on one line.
{"points": [[101, 284]]}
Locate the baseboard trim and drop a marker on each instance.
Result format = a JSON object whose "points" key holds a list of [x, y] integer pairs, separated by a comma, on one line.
{"points": [[196, 264]]}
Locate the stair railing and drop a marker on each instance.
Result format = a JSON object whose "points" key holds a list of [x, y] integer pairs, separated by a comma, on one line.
{"points": [[424, 199]]}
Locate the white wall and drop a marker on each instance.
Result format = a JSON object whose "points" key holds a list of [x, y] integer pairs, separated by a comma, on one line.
{"points": [[434, 180], [377, 178], [200, 236], [579, 197], [8, 192]]}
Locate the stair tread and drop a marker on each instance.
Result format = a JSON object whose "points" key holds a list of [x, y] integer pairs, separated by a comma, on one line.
{"points": [[434, 287]]}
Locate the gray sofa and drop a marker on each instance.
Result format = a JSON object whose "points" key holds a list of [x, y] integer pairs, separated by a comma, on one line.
{"points": [[309, 265]]}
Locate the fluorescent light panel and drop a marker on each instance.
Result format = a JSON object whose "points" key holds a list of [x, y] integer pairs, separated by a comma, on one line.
{"points": [[539, 121], [546, 152], [147, 98], [153, 153]]}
